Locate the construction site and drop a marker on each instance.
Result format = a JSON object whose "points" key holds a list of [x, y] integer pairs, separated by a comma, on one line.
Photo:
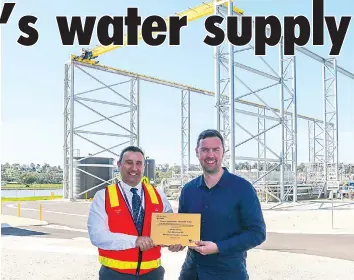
{"points": [[254, 106]]}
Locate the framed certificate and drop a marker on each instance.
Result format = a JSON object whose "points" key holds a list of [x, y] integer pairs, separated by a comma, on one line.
{"points": [[175, 228]]}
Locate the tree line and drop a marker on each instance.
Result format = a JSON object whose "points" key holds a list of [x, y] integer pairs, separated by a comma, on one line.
{"points": [[46, 174], [31, 173]]}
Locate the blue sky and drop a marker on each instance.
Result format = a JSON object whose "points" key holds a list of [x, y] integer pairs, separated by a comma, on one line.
{"points": [[32, 81]]}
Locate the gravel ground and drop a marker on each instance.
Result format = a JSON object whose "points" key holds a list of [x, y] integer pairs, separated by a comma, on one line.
{"points": [[29, 265], [33, 258], [35, 265]]}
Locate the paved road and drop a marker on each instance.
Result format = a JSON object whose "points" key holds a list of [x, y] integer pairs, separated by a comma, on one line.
{"points": [[61, 215], [73, 215]]}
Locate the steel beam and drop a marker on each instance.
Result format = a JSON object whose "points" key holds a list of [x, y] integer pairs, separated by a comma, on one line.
{"points": [[317, 57], [142, 77], [183, 86], [327, 62]]}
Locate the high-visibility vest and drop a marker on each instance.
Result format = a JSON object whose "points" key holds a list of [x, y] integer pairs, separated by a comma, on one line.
{"points": [[131, 261]]}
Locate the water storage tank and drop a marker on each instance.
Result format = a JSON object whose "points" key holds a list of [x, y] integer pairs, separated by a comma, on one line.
{"points": [[95, 170], [150, 169]]}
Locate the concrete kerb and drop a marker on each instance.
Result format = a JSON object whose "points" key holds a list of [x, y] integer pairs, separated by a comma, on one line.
{"points": [[14, 221]]}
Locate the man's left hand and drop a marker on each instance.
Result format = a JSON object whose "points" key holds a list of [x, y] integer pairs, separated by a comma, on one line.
{"points": [[205, 247], [175, 248]]}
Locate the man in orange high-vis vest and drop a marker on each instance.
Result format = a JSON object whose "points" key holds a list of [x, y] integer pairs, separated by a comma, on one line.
{"points": [[120, 219]]}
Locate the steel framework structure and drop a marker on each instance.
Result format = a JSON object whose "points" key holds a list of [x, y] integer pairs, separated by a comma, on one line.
{"points": [[287, 118], [226, 75]]}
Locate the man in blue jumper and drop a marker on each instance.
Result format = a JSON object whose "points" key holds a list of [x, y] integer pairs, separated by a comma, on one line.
{"points": [[231, 217]]}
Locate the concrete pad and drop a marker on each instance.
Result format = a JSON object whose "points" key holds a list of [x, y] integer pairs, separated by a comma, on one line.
{"points": [[310, 222], [307, 217], [310, 218], [308, 205], [14, 221]]}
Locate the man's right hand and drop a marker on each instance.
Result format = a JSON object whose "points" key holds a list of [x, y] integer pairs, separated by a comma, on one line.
{"points": [[144, 243]]}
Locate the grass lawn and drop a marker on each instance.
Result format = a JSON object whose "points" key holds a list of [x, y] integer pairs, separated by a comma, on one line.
{"points": [[32, 186], [30, 198]]}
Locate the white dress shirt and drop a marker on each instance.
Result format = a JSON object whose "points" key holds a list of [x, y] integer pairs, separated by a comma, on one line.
{"points": [[97, 223]]}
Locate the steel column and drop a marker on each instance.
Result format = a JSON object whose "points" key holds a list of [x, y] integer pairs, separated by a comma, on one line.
{"points": [[231, 98], [262, 151], [289, 124], [71, 133], [282, 117], [294, 126], [134, 111], [67, 93], [330, 121], [224, 81], [185, 133], [311, 132], [217, 80]]}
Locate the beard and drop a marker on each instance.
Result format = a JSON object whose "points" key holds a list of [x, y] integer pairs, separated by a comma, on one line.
{"points": [[211, 170]]}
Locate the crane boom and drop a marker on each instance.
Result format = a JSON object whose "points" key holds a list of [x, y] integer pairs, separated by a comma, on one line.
{"points": [[194, 13]]}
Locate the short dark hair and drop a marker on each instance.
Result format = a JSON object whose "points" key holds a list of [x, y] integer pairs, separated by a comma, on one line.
{"points": [[130, 149], [210, 133]]}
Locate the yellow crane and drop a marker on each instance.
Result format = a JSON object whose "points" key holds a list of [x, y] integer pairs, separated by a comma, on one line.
{"points": [[194, 13]]}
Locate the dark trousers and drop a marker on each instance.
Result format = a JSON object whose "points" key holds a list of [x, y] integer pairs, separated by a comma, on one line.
{"points": [[106, 273], [191, 271], [211, 275]]}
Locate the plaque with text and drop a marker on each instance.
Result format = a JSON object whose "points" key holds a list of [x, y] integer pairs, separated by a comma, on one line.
{"points": [[175, 228]]}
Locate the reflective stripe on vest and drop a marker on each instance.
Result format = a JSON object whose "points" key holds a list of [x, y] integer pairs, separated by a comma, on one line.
{"points": [[150, 190], [128, 265], [113, 196]]}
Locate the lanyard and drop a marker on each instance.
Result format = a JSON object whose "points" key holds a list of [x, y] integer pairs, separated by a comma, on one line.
{"points": [[128, 204]]}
